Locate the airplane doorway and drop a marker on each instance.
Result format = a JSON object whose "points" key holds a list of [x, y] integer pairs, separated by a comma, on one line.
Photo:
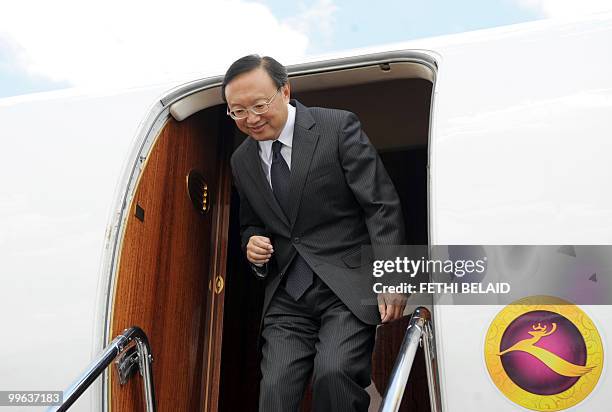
{"points": [[181, 275]]}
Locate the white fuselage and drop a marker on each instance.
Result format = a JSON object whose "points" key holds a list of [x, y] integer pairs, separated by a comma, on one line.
{"points": [[519, 154]]}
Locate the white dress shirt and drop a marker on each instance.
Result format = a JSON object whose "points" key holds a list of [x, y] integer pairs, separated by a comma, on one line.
{"points": [[285, 137]]}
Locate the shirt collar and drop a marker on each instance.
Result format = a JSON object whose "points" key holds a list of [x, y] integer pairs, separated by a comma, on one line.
{"points": [[285, 137]]}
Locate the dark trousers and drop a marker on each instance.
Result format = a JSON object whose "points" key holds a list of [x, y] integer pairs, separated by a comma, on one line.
{"points": [[318, 336]]}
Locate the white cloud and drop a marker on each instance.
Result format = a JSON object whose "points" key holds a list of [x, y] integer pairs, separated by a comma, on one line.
{"points": [[566, 8], [316, 19], [140, 42]]}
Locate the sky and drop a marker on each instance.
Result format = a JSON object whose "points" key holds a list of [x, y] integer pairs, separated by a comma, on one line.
{"points": [[62, 44]]}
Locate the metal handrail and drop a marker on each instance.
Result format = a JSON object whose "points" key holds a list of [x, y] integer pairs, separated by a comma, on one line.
{"points": [[116, 348], [418, 328]]}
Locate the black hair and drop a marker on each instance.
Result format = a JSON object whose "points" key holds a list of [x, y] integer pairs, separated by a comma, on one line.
{"points": [[276, 71]]}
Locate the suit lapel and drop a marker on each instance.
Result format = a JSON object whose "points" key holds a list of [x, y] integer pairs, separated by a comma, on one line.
{"points": [[254, 165], [303, 146]]}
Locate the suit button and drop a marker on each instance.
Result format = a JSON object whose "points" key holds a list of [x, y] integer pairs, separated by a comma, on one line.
{"points": [[296, 240]]}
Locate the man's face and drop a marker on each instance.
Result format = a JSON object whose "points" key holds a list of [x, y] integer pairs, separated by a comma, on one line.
{"points": [[256, 87]]}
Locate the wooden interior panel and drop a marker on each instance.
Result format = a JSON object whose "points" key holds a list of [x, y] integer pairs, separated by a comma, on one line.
{"points": [[221, 258], [165, 266]]}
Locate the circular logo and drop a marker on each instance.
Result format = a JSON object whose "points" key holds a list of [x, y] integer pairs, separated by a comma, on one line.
{"points": [[544, 353]]}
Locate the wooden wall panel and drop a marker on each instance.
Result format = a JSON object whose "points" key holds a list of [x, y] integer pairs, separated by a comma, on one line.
{"points": [[164, 269], [215, 309]]}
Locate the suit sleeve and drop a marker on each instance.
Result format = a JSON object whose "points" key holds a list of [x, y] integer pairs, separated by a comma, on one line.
{"points": [[250, 224], [371, 185]]}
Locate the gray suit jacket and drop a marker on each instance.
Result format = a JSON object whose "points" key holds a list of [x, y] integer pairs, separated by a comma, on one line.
{"points": [[341, 198]]}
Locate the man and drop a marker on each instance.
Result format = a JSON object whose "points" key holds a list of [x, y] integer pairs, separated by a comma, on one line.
{"points": [[312, 191]]}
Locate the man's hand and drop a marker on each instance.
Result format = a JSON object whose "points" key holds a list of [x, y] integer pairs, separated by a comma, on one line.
{"points": [[259, 250], [391, 306]]}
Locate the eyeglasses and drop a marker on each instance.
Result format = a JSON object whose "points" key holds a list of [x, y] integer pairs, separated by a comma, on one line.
{"points": [[257, 109]]}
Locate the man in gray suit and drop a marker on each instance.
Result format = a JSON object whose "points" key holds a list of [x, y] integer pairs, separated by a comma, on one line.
{"points": [[312, 190]]}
